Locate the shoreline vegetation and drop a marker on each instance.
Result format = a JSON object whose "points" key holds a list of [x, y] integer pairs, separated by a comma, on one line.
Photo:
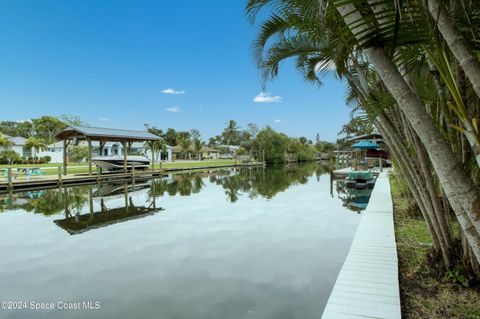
{"points": [[426, 291], [412, 70], [262, 144]]}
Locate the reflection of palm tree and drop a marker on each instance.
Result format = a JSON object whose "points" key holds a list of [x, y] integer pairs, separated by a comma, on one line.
{"points": [[231, 188], [184, 185], [197, 184]]}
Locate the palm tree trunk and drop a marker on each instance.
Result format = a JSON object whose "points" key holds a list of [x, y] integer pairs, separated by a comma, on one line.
{"points": [[456, 43]]}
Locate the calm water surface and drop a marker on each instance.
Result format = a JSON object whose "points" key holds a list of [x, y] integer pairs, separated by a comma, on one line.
{"points": [[250, 243]]}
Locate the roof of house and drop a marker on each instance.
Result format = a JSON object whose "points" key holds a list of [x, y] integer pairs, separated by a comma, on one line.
{"points": [[16, 140], [107, 144], [105, 134]]}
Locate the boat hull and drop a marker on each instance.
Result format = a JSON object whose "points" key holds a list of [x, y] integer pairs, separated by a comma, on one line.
{"points": [[112, 163]]}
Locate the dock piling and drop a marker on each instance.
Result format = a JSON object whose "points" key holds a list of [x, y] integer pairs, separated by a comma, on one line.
{"points": [[9, 177], [59, 175]]}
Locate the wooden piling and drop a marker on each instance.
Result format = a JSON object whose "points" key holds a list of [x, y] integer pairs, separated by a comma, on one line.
{"points": [[9, 177], [60, 176]]}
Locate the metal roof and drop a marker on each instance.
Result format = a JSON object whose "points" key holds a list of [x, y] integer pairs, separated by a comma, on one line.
{"points": [[105, 134], [16, 140]]}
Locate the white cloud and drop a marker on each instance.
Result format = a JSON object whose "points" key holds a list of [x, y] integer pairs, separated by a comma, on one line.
{"points": [[173, 109], [264, 97], [278, 121], [104, 119], [172, 91]]}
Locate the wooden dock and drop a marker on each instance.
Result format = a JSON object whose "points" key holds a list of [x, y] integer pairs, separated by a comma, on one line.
{"points": [[52, 181], [343, 172], [367, 285]]}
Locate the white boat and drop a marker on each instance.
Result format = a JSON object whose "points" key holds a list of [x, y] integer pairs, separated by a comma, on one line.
{"points": [[112, 163]]}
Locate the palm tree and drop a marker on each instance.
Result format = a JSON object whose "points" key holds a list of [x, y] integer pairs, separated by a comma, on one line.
{"points": [[185, 145], [5, 142], [197, 147], [37, 144], [231, 131]]}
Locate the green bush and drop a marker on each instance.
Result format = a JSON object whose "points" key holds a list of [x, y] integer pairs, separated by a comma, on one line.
{"points": [[9, 157]]}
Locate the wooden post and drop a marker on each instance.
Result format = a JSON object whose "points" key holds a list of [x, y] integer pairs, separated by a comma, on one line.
{"points": [[125, 187], [124, 144], [89, 157], [65, 145], [152, 149], [9, 177], [133, 175], [60, 176], [154, 193]]}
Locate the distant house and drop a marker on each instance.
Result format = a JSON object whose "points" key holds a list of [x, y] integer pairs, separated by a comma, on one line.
{"points": [[231, 149], [55, 150], [17, 144], [206, 153]]}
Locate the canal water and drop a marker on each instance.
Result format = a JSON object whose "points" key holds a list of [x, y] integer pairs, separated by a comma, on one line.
{"points": [[237, 243]]}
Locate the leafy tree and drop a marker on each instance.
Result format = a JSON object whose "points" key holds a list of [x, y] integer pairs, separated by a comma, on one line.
{"points": [[9, 157], [171, 137], [73, 120], [46, 126], [274, 145], [77, 153]]}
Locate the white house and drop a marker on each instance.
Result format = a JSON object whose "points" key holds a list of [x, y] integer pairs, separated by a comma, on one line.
{"points": [[55, 150], [18, 145]]}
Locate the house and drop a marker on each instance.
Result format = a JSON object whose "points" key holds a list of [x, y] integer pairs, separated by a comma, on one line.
{"points": [[55, 150], [206, 153], [17, 144]]}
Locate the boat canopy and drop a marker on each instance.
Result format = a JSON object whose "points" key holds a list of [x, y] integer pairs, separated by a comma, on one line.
{"points": [[366, 145]]}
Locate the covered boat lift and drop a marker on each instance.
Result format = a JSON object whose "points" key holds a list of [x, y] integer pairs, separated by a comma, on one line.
{"points": [[73, 134]]}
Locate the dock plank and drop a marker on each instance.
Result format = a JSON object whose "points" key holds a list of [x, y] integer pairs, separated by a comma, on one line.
{"points": [[367, 285]]}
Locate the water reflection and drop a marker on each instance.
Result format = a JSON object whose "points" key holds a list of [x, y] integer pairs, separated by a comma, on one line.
{"points": [[352, 198], [245, 243], [76, 222], [250, 182]]}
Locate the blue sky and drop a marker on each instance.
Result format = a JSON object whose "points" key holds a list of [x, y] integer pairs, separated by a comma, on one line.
{"points": [[109, 61]]}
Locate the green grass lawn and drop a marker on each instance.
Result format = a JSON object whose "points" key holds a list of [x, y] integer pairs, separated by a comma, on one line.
{"points": [[41, 165], [195, 164], [425, 293], [51, 169]]}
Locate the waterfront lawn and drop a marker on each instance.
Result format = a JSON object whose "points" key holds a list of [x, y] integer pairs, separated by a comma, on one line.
{"points": [[425, 293], [189, 164], [51, 169]]}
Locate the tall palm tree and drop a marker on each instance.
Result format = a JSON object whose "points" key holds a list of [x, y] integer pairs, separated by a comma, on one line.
{"points": [[185, 145], [197, 147], [231, 131], [37, 144]]}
